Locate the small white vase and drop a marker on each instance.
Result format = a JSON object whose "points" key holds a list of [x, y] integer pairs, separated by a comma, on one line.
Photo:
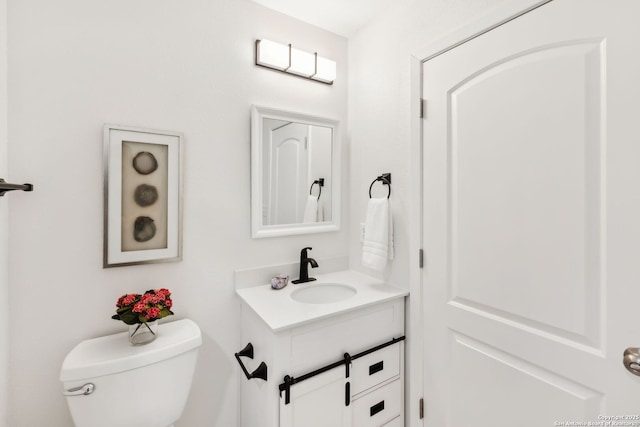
{"points": [[143, 333]]}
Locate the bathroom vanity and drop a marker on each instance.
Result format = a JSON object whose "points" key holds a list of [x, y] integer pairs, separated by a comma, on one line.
{"points": [[333, 349]]}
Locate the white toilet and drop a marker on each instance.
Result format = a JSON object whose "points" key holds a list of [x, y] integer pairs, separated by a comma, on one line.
{"points": [[110, 383]]}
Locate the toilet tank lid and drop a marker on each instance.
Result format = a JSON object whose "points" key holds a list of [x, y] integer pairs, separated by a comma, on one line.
{"points": [[113, 353]]}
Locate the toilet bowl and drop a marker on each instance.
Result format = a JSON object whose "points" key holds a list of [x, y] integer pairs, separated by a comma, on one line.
{"points": [[110, 383]]}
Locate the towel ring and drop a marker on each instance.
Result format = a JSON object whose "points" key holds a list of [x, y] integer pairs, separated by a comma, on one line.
{"points": [[385, 178], [320, 183]]}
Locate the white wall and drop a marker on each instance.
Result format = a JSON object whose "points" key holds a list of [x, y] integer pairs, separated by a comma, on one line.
{"points": [[381, 103], [185, 66], [4, 225], [380, 110]]}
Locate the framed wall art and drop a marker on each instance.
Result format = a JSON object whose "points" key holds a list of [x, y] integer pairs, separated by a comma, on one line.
{"points": [[142, 196]]}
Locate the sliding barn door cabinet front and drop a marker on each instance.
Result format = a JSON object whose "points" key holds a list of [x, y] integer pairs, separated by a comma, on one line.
{"points": [[346, 370]]}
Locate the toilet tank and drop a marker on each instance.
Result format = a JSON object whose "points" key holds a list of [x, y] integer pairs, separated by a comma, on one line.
{"points": [[134, 386]]}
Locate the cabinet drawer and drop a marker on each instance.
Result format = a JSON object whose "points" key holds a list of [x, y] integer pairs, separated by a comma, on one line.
{"points": [[378, 407], [375, 368]]}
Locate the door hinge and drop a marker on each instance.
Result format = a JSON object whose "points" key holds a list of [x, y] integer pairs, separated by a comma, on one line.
{"points": [[421, 258], [421, 408], [423, 108]]}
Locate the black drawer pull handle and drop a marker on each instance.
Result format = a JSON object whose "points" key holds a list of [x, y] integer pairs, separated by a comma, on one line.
{"points": [[376, 367], [378, 407]]}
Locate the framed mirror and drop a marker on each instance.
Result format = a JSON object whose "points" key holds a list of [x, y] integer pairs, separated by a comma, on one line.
{"points": [[295, 173]]}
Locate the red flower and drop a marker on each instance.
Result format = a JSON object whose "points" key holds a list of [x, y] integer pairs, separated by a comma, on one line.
{"points": [[152, 313], [139, 307], [130, 299], [136, 308], [127, 299]]}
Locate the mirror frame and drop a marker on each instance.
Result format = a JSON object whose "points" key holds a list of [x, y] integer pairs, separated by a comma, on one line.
{"points": [[259, 230]]}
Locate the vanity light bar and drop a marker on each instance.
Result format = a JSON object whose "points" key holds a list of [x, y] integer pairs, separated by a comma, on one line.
{"points": [[290, 60]]}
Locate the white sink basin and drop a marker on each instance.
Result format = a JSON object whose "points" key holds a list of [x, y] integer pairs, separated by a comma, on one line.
{"points": [[323, 293]]}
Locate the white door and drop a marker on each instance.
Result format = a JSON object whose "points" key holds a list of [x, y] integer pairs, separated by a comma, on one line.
{"points": [[289, 154], [531, 221]]}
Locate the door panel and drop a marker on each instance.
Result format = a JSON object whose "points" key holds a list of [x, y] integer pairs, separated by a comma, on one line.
{"points": [[290, 163], [546, 224], [530, 220], [514, 382], [317, 402]]}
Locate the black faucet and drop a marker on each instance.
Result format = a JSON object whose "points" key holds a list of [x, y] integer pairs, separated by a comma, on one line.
{"points": [[304, 267]]}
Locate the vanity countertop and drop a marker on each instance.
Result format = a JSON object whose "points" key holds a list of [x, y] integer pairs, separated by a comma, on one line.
{"points": [[280, 311]]}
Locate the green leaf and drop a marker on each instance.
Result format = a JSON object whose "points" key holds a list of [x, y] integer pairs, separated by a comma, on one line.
{"points": [[129, 318], [123, 309], [164, 313]]}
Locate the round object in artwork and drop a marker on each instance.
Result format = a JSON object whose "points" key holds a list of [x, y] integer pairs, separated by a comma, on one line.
{"points": [[145, 195], [144, 163], [144, 229]]}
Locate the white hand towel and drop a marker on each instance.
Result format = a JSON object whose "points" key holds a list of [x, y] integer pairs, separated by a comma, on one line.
{"points": [[311, 210], [378, 235], [320, 211]]}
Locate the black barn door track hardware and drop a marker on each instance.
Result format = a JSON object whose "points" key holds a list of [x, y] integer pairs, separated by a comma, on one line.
{"points": [[346, 360], [5, 186], [261, 370]]}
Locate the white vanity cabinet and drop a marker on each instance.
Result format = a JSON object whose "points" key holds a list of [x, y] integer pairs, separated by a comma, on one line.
{"points": [[372, 394], [317, 402]]}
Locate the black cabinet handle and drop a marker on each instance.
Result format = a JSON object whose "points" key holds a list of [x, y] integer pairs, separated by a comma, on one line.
{"points": [[378, 407], [261, 370], [347, 394], [376, 367]]}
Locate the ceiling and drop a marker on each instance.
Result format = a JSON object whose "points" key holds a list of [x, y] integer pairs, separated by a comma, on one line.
{"points": [[342, 17]]}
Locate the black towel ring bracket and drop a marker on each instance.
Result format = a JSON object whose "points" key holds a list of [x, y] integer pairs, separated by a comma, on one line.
{"points": [[320, 182], [385, 178]]}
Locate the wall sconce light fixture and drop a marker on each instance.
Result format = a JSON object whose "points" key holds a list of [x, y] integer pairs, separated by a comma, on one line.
{"points": [[294, 61]]}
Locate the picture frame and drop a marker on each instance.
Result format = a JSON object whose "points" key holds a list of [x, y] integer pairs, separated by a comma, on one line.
{"points": [[142, 196]]}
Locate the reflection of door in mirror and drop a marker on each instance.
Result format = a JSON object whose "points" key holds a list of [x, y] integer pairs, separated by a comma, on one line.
{"points": [[295, 155], [286, 171], [295, 173]]}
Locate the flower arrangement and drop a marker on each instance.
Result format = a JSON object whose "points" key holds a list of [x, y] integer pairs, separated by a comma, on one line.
{"points": [[150, 306]]}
